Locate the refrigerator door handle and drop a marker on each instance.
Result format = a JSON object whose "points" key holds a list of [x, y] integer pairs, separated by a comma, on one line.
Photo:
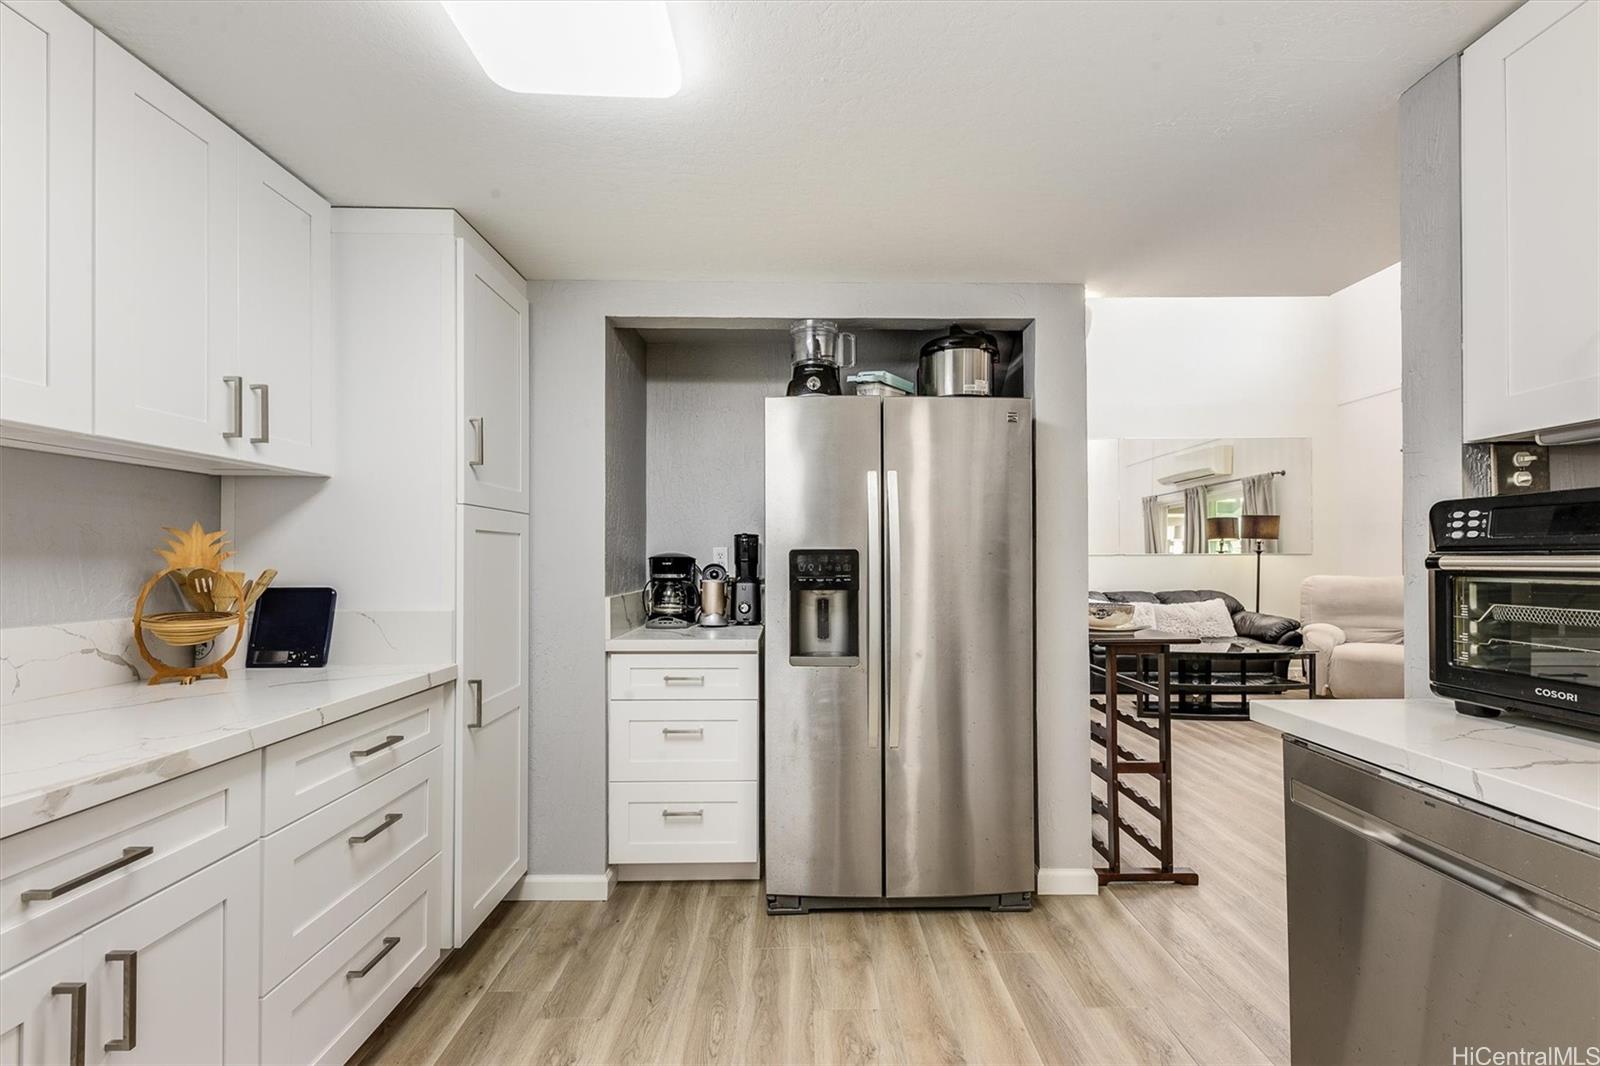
{"points": [[874, 611], [891, 602]]}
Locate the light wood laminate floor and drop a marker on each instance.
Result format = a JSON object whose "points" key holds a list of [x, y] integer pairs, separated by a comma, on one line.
{"points": [[698, 973]]}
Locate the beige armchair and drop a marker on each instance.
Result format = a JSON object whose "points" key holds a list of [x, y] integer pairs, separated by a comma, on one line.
{"points": [[1356, 627]]}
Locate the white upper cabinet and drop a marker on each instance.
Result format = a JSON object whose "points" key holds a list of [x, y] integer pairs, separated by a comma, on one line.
{"points": [[494, 383], [46, 191], [166, 263], [285, 338], [1530, 226]]}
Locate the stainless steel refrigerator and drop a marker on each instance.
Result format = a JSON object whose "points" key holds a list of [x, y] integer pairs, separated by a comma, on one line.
{"points": [[899, 718]]}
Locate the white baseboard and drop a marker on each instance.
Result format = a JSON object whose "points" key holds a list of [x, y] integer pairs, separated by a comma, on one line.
{"points": [[689, 871], [1068, 881], [566, 886]]}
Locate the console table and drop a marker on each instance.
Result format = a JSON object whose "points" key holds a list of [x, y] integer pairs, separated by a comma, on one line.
{"points": [[1120, 761], [1214, 679]]}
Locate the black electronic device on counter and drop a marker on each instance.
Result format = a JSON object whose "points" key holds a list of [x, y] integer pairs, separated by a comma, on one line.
{"points": [[746, 579], [292, 627]]}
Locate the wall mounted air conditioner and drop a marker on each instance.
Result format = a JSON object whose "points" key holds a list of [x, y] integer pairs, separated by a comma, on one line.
{"points": [[1195, 465]]}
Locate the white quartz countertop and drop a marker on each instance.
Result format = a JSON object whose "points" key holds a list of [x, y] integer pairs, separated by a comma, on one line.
{"points": [[692, 638], [1543, 772], [65, 753]]}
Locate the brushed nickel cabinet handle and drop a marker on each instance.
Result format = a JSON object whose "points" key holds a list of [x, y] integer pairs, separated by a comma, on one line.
{"points": [[236, 394], [697, 732], [683, 679], [476, 685], [261, 409], [387, 742], [130, 1000], [697, 813], [389, 944], [77, 991], [477, 442], [388, 820], [129, 856]]}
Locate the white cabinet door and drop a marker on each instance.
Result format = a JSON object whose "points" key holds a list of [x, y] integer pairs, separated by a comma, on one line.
{"points": [[492, 709], [46, 205], [175, 979], [166, 197], [494, 384], [44, 1016], [1530, 221], [285, 339]]}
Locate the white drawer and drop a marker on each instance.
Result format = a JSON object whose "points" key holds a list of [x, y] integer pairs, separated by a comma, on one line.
{"points": [[679, 740], [685, 677], [318, 767], [317, 879], [187, 823], [323, 1012], [679, 821]]}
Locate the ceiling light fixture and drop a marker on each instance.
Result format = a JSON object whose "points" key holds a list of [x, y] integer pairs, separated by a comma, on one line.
{"points": [[572, 47]]}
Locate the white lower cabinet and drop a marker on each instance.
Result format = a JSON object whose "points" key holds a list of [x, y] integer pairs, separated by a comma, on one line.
{"points": [[44, 1009], [332, 1003], [173, 980]]}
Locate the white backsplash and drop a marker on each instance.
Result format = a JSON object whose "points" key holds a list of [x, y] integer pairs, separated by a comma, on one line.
{"points": [[39, 661], [624, 611], [384, 638]]}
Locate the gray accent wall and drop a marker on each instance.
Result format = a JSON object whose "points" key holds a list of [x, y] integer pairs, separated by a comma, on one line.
{"points": [[626, 504], [78, 536], [1430, 330]]}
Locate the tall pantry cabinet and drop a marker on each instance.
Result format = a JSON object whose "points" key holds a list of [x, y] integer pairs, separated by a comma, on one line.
{"points": [[429, 510]]}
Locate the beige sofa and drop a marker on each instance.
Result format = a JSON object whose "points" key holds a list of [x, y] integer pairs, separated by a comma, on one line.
{"points": [[1356, 627]]}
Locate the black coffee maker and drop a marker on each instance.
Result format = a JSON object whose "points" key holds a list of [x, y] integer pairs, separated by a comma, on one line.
{"points": [[672, 596], [817, 354]]}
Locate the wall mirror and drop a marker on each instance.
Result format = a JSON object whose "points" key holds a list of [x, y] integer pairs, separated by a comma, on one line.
{"points": [[1216, 496]]}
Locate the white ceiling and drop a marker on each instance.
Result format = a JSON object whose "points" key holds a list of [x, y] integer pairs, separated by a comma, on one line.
{"points": [[1146, 148]]}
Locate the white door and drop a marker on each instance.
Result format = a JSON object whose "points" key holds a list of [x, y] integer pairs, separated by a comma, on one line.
{"points": [[44, 1015], [492, 712], [166, 195], [46, 205], [175, 979], [285, 340], [494, 384], [1530, 221]]}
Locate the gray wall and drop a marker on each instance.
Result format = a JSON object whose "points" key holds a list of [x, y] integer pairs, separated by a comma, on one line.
{"points": [[78, 536], [567, 823], [625, 461], [1430, 330]]}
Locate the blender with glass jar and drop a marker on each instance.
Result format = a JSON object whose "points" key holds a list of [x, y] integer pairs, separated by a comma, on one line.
{"points": [[817, 354]]}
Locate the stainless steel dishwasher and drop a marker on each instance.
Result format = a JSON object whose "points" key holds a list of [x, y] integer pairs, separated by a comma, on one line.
{"points": [[1423, 924]]}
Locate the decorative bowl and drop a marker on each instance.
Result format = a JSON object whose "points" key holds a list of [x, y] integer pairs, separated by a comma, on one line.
{"points": [[183, 629], [1110, 615]]}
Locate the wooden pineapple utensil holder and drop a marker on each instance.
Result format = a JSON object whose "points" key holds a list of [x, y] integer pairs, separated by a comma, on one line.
{"points": [[188, 675]]}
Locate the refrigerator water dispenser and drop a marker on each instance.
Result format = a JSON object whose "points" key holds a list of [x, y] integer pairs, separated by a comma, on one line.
{"points": [[823, 629]]}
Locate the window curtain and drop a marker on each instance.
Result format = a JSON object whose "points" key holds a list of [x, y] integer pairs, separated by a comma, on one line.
{"points": [[1155, 514], [1260, 498], [1194, 521]]}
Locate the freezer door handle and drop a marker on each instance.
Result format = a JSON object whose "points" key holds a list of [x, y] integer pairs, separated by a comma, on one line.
{"points": [[874, 611], [891, 602]]}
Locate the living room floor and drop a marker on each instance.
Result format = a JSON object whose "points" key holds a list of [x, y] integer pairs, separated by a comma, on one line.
{"points": [[698, 972]]}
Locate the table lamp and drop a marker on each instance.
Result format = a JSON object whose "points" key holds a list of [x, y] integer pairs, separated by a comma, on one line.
{"points": [[1223, 529], [1258, 527]]}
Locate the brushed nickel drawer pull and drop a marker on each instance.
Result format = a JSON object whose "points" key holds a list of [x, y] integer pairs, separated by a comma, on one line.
{"points": [[389, 944], [387, 742], [388, 820], [77, 991], [129, 856], [476, 685], [262, 392], [130, 1000], [477, 442], [697, 813], [699, 731], [683, 679], [235, 386]]}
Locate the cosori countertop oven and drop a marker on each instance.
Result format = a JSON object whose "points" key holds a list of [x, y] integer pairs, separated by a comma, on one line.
{"points": [[1515, 605]]}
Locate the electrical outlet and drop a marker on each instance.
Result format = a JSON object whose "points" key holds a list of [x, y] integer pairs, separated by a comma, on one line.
{"points": [[720, 555]]}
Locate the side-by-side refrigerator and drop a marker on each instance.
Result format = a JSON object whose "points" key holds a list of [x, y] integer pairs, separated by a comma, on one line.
{"points": [[899, 717]]}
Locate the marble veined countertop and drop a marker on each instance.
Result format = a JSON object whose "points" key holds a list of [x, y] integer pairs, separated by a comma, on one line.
{"points": [[1539, 771], [65, 753], [689, 638]]}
